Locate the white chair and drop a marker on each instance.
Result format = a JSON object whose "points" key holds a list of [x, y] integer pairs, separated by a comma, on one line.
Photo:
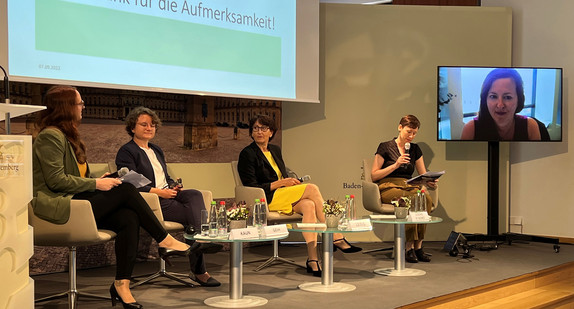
{"points": [[249, 194], [171, 227], [372, 197], [80, 230], [153, 201]]}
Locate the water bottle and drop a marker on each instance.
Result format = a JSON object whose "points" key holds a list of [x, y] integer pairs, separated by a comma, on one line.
{"points": [[344, 222], [423, 202], [352, 209], [222, 220], [263, 213], [417, 201], [213, 220], [256, 212]]}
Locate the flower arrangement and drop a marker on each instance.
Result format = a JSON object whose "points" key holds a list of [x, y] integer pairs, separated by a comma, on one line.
{"points": [[332, 207], [238, 212], [402, 202]]}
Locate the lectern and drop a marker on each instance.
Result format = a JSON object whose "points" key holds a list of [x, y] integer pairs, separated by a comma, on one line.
{"points": [[16, 241]]}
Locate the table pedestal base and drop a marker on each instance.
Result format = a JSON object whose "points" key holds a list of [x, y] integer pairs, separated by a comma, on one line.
{"points": [[407, 272], [331, 288], [244, 302]]}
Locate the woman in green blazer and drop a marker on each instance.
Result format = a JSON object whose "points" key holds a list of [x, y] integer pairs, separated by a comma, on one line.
{"points": [[61, 173]]}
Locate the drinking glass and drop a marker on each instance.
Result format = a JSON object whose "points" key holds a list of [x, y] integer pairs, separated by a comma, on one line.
{"points": [[204, 223]]}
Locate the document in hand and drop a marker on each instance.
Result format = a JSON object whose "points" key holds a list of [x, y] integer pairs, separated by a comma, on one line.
{"points": [[428, 176], [136, 179]]}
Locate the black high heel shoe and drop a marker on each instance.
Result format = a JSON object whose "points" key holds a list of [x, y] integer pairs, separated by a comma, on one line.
{"points": [[165, 253], [116, 298], [351, 249], [316, 273]]}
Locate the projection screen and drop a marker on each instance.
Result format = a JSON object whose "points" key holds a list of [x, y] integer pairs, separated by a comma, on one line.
{"points": [[247, 48]]}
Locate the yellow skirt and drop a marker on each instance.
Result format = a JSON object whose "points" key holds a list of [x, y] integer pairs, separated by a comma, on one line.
{"points": [[285, 198]]}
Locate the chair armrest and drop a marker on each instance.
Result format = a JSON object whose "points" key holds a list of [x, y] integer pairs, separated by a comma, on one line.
{"points": [[433, 193], [207, 198], [248, 194], [372, 199], [80, 229], [153, 201], [371, 196]]}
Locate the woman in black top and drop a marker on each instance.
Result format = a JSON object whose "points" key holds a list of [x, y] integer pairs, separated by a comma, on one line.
{"points": [[501, 98], [392, 166]]}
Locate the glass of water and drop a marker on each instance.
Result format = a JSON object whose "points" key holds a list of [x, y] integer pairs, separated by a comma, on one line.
{"points": [[204, 223]]}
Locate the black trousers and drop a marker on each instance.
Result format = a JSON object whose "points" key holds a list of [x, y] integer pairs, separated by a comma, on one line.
{"points": [[186, 208], [123, 210]]}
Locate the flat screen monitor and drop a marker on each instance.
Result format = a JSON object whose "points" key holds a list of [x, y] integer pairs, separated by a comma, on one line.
{"points": [[499, 104]]}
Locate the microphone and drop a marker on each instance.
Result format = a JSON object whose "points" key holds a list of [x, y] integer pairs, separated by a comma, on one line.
{"points": [[304, 178], [123, 171], [407, 147], [120, 173]]}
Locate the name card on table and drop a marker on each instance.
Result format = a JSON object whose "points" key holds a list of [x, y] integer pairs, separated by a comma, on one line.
{"points": [[419, 216], [360, 225], [245, 233], [273, 231]]}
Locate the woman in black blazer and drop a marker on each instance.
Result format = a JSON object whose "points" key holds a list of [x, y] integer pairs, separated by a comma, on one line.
{"points": [[178, 205], [261, 165]]}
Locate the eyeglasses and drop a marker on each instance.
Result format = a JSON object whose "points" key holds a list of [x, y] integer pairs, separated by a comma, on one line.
{"points": [[145, 125], [262, 129], [83, 104]]}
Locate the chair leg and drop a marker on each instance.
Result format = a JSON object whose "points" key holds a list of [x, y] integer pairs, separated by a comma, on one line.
{"points": [[72, 293], [162, 273], [275, 258]]}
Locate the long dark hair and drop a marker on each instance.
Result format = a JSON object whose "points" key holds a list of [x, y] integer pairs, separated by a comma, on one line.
{"points": [[60, 112], [494, 75]]}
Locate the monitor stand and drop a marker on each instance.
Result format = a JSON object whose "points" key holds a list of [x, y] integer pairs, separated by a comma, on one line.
{"points": [[493, 209]]}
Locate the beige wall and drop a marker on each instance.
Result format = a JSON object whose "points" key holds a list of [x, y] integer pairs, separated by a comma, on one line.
{"points": [[378, 63], [540, 179]]}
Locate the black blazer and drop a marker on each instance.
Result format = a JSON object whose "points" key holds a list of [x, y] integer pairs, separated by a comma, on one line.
{"points": [[133, 157], [256, 171]]}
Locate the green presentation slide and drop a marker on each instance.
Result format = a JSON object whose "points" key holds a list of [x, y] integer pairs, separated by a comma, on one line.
{"points": [[61, 27]]}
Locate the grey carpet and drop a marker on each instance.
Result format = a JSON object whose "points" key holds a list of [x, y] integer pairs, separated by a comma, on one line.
{"points": [[278, 284]]}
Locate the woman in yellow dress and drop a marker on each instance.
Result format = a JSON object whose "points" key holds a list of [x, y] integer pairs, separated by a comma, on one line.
{"points": [[261, 165]]}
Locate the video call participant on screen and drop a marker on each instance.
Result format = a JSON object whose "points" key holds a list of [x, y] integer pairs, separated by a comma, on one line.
{"points": [[261, 165], [61, 173], [182, 206], [501, 98], [392, 166]]}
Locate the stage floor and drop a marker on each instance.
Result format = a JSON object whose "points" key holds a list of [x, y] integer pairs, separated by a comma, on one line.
{"points": [[279, 283]]}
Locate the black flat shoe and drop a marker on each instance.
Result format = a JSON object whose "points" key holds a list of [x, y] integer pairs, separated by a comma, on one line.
{"points": [[351, 249], [411, 256], [116, 298], [211, 282], [316, 273], [421, 256]]}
